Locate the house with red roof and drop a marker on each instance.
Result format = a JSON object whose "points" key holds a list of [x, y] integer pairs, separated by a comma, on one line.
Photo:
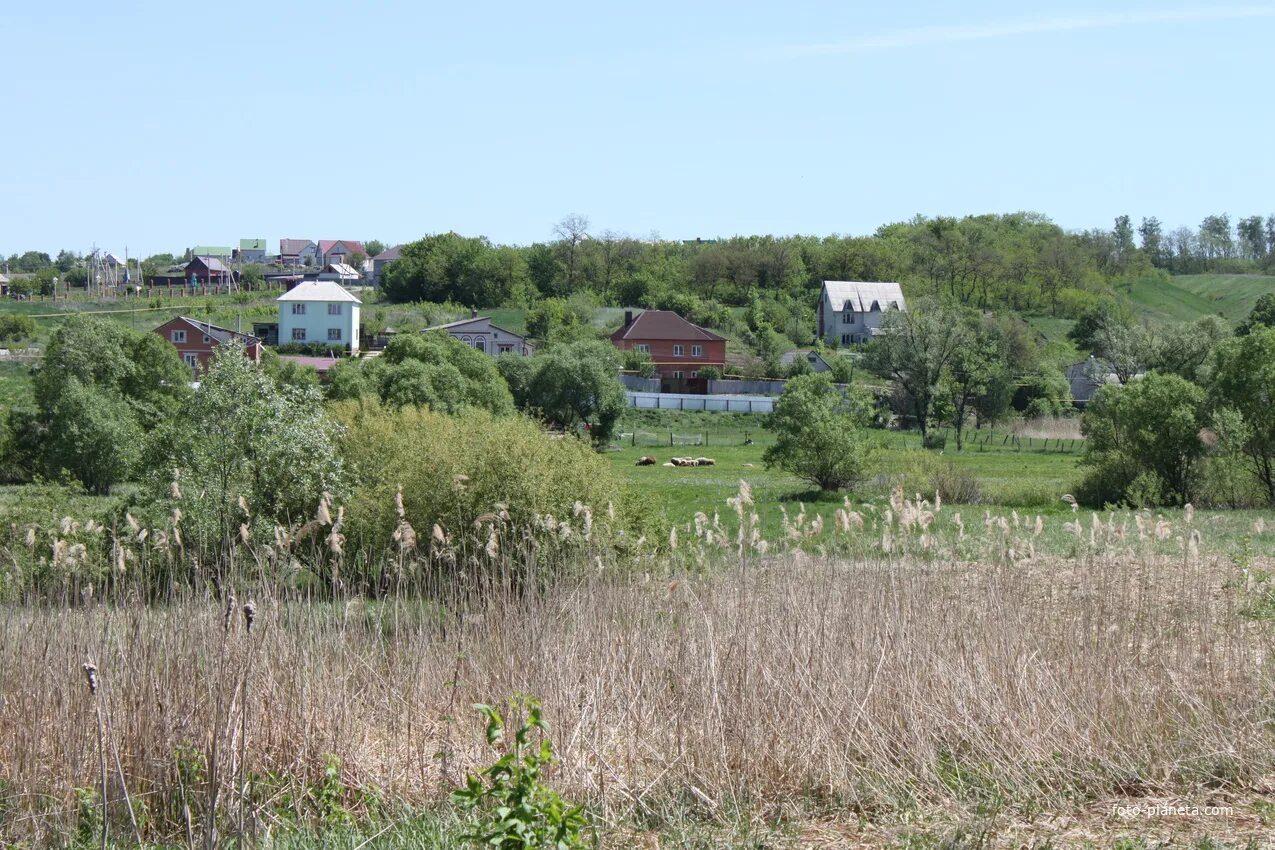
{"points": [[196, 341], [339, 251], [678, 348]]}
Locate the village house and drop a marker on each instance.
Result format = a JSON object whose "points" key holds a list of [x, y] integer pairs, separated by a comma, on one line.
{"points": [[196, 341], [295, 252], [479, 332], [221, 252], [334, 251], [319, 311], [851, 312], [383, 259], [207, 271], [341, 273], [251, 251], [816, 360], [678, 348]]}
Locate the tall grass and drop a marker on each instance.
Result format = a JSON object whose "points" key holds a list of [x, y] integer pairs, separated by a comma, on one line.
{"points": [[793, 682]]}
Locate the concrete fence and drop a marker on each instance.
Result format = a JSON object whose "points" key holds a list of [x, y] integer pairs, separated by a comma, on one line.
{"points": [[712, 403]]}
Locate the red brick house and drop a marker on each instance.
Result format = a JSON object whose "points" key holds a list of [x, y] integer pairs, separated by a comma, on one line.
{"points": [[678, 348], [195, 341]]}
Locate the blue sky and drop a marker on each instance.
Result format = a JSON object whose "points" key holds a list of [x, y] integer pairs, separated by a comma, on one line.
{"points": [[156, 126]]}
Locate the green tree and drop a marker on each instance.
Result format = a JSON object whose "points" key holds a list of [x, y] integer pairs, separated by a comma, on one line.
{"points": [[975, 370], [820, 436], [374, 247], [437, 371], [517, 372], [243, 435], [1262, 315], [93, 434], [913, 349], [1143, 441], [1243, 378], [16, 327], [577, 383], [447, 267]]}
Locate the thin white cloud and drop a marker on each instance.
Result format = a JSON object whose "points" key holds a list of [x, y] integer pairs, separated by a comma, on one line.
{"points": [[925, 36]]}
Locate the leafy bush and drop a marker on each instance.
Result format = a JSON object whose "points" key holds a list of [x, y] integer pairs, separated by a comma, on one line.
{"points": [[928, 474], [431, 370], [245, 442], [511, 805], [1144, 442], [456, 471], [16, 327], [577, 384], [820, 434], [710, 373]]}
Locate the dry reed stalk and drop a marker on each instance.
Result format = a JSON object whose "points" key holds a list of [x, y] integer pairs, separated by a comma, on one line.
{"points": [[789, 678]]}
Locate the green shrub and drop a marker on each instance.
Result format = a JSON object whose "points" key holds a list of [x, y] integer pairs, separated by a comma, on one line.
{"points": [[820, 435], [1144, 443], [16, 327], [511, 807], [472, 471]]}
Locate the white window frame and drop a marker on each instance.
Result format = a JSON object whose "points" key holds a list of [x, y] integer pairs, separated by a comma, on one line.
{"points": [[191, 359], [207, 339], [177, 336], [679, 350], [298, 309], [848, 318], [643, 348], [298, 335], [677, 376], [697, 351]]}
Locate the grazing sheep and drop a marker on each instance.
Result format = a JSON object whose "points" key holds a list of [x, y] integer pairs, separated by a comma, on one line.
{"points": [[704, 461], [646, 460], [685, 461]]}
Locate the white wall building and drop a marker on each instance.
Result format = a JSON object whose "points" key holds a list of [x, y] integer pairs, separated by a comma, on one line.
{"points": [[851, 312], [319, 311], [479, 332]]}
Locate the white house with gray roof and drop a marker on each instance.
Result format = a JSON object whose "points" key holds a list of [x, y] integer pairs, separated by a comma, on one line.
{"points": [[851, 312], [319, 311], [479, 332]]}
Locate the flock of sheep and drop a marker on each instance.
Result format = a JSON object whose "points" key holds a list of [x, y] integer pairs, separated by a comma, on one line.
{"points": [[647, 460]]}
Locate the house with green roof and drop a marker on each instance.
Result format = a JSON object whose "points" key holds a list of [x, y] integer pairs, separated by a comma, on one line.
{"points": [[221, 252], [252, 251]]}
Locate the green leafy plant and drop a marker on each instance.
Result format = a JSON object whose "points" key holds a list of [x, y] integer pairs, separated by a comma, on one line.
{"points": [[510, 805]]}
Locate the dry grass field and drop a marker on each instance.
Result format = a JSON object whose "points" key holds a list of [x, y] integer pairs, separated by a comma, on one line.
{"points": [[782, 699]]}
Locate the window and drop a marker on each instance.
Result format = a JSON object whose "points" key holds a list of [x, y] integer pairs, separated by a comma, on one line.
{"points": [[845, 339], [298, 334], [679, 351], [695, 374], [697, 351], [505, 347], [178, 336], [207, 339], [643, 347], [478, 343], [192, 360], [334, 309], [848, 318], [677, 376], [298, 309], [334, 334]]}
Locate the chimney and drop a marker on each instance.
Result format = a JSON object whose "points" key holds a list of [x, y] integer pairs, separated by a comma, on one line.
{"points": [[628, 318], [473, 313]]}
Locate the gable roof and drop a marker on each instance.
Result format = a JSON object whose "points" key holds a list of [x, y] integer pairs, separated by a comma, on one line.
{"points": [[390, 254], [213, 264], [318, 290], [218, 333], [861, 296], [252, 244], [663, 324], [292, 247], [342, 269], [789, 357], [351, 246], [461, 325]]}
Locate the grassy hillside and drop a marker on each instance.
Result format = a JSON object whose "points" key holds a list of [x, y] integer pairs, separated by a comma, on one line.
{"points": [[1188, 297]]}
